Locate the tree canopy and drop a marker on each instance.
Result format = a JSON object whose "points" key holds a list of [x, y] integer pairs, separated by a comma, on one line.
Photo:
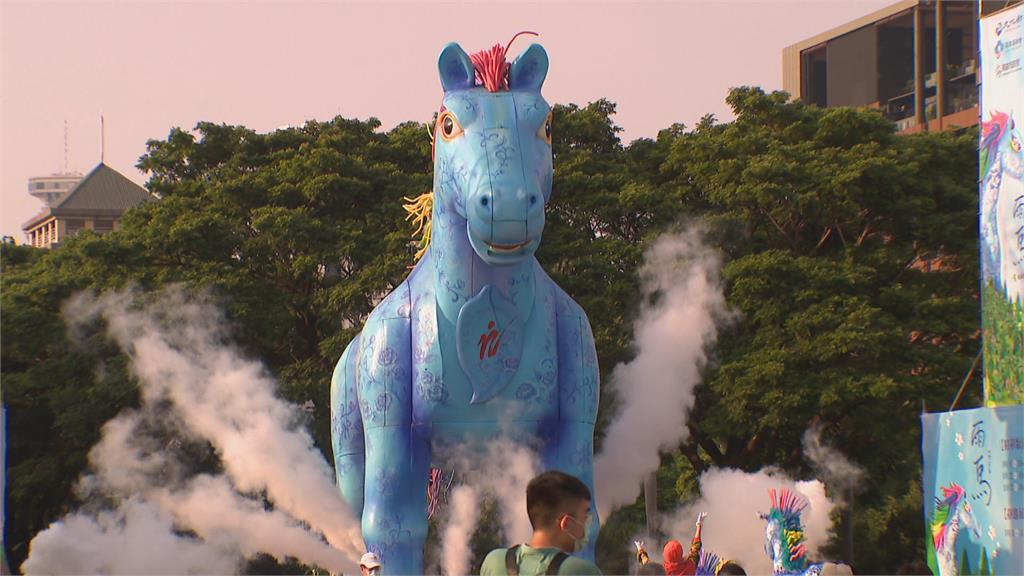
{"points": [[850, 256]]}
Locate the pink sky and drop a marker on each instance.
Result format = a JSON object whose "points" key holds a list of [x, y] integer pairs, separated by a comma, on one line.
{"points": [[149, 66]]}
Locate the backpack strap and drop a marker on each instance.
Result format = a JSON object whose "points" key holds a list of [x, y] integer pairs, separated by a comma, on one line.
{"points": [[556, 563], [511, 565]]}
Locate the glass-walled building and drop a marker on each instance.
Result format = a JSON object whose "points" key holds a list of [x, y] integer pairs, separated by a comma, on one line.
{"points": [[915, 60]]}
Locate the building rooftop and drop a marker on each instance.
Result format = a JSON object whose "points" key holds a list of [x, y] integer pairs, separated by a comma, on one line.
{"points": [[103, 192], [866, 20]]}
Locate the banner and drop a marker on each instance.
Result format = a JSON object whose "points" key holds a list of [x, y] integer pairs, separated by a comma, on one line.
{"points": [[973, 481], [1001, 163]]}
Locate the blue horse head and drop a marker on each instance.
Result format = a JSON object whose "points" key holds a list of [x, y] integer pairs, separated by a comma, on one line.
{"points": [[478, 343], [492, 152]]}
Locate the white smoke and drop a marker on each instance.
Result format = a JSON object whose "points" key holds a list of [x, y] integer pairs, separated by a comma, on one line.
{"points": [[462, 518], [517, 465], [682, 301], [841, 475], [499, 470], [136, 538], [732, 529], [204, 390]]}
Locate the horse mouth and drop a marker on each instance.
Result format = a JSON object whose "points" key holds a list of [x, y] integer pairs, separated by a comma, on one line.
{"points": [[506, 247]]}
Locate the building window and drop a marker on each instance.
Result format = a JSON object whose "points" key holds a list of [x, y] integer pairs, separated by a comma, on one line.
{"points": [[74, 225], [103, 225]]}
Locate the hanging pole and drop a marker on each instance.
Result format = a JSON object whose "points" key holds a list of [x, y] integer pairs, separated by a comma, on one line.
{"points": [[940, 61], [966, 380], [651, 501], [919, 69], [65, 146]]}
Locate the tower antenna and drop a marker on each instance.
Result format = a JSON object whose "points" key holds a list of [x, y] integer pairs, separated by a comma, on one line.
{"points": [[65, 145], [103, 138]]}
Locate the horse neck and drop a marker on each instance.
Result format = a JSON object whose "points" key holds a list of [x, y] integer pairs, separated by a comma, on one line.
{"points": [[954, 526], [1012, 163], [952, 529], [460, 274]]}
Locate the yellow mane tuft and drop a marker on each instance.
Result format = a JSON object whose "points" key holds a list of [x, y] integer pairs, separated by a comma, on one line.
{"points": [[420, 210]]}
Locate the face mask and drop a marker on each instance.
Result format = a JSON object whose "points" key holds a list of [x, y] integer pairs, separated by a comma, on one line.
{"points": [[578, 544]]}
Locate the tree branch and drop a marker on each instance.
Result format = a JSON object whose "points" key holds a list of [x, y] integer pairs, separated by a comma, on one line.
{"points": [[840, 230], [824, 237], [779, 228]]}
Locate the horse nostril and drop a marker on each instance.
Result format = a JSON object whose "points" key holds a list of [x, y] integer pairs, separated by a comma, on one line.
{"points": [[533, 199], [484, 201]]}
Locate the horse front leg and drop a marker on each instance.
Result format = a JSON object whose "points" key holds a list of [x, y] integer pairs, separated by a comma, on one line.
{"points": [[394, 519], [573, 453], [572, 448], [347, 430]]}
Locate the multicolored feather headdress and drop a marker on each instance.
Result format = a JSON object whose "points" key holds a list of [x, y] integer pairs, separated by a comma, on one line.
{"points": [[785, 511]]}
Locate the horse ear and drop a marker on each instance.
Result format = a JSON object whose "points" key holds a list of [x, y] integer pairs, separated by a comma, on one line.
{"points": [[456, 68], [529, 69]]}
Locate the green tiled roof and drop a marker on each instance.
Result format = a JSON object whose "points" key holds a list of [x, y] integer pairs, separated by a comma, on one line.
{"points": [[102, 190]]}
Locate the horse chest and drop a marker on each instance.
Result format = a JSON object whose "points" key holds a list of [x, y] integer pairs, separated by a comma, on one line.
{"points": [[443, 393]]}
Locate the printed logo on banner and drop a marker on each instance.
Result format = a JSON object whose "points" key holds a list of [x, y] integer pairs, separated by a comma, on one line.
{"points": [[1011, 23], [1007, 68], [1003, 46]]}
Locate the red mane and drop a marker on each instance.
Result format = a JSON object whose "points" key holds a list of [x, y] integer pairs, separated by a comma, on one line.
{"points": [[994, 129], [491, 66]]}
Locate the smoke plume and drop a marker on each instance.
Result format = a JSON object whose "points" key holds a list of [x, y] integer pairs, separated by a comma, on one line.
{"points": [[682, 299], [199, 391], [462, 517], [841, 475], [136, 538], [498, 470], [732, 529]]}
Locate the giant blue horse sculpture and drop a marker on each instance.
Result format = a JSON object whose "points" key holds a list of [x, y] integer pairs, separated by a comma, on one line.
{"points": [[478, 342]]}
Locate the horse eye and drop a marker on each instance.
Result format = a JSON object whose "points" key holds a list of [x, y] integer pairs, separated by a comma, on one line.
{"points": [[450, 128], [545, 130]]}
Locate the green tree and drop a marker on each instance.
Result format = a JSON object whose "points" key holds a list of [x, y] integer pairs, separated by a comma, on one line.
{"points": [[296, 233], [300, 231], [57, 392], [851, 256]]}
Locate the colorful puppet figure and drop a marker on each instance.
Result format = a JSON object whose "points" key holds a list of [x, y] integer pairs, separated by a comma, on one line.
{"points": [[478, 343], [784, 538], [952, 512]]}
